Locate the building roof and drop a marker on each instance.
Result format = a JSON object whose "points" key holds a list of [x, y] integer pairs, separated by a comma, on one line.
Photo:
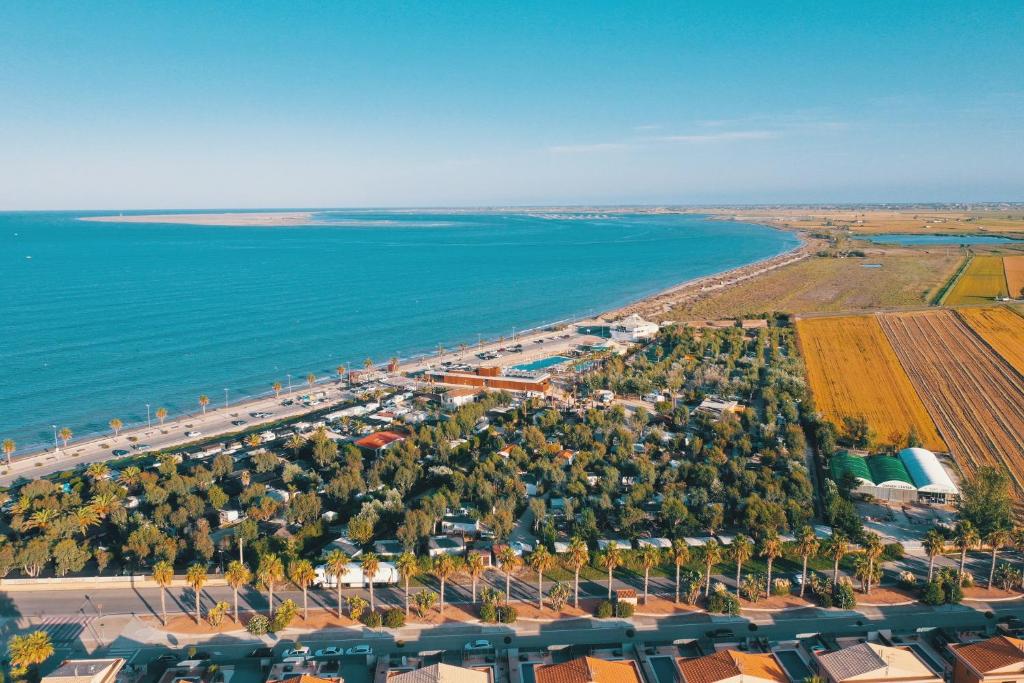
{"points": [[85, 670], [926, 471], [889, 471], [874, 661], [991, 655], [588, 670], [731, 664], [843, 463], [379, 440], [440, 673], [305, 678]]}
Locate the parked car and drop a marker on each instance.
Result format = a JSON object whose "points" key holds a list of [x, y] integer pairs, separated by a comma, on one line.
{"points": [[331, 651], [478, 645], [261, 653], [120, 452], [359, 650], [239, 423], [193, 433], [719, 633], [303, 651]]}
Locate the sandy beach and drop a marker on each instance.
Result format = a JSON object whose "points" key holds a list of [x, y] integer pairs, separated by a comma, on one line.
{"points": [[268, 219]]}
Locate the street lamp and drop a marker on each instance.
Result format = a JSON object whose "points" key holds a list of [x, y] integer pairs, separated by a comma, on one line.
{"points": [[149, 422], [289, 383], [225, 398], [55, 446]]}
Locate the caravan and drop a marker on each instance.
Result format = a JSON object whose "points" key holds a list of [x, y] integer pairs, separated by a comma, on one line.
{"points": [[387, 575]]}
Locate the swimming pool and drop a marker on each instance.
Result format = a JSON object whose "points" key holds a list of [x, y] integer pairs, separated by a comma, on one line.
{"points": [[527, 671], [541, 363], [665, 669], [793, 664]]}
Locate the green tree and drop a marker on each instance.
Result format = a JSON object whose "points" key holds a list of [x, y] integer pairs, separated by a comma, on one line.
{"points": [[269, 573], [370, 563], [934, 543], [237, 576], [509, 562], [986, 501], [163, 574], [302, 574], [873, 550], [712, 553], [196, 578], [742, 550], [611, 559], [996, 539], [29, 651], [649, 559], [577, 558], [336, 564], [771, 549], [966, 538], [475, 567], [807, 545], [443, 568], [540, 562], [407, 567], [837, 548], [9, 448]]}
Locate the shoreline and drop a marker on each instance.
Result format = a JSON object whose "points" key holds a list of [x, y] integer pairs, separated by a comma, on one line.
{"points": [[649, 305], [266, 219]]}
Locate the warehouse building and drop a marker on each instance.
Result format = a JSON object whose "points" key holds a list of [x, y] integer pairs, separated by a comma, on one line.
{"points": [[929, 476], [916, 474]]}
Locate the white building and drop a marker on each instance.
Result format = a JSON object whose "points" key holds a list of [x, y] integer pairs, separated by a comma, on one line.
{"points": [[928, 474], [633, 329]]}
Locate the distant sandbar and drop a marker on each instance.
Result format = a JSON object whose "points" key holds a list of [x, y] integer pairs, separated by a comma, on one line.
{"points": [[274, 219]]}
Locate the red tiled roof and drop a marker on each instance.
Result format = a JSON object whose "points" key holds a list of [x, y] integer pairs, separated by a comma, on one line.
{"points": [[992, 654], [379, 440], [588, 670], [729, 663]]}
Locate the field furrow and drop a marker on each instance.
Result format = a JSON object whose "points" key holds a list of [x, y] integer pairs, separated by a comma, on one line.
{"points": [[983, 281], [975, 396], [1002, 329], [853, 371]]}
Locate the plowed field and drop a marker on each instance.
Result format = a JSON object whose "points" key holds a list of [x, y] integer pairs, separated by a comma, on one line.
{"points": [[1002, 329]]}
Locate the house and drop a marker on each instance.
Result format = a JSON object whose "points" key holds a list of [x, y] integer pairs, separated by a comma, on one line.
{"points": [[566, 456], [445, 545], [589, 670], [633, 328], [996, 660], [627, 595], [227, 517], [530, 482], [460, 524], [388, 548], [456, 397], [86, 671], [873, 662], [732, 666], [717, 407], [444, 673], [482, 552], [346, 546], [310, 671], [378, 442]]}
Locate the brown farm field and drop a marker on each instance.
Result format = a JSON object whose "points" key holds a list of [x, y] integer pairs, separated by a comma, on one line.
{"points": [[974, 395], [877, 221], [1014, 268], [853, 371], [905, 278], [982, 282], [1002, 329]]}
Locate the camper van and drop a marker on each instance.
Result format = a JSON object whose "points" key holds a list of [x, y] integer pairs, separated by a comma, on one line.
{"points": [[387, 575]]}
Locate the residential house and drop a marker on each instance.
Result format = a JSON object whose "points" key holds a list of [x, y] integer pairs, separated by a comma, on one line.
{"points": [[874, 662], [86, 671], [589, 670], [444, 673], [461, 525], [732, 666], [378, 442], [996, 660], [445, 545]]}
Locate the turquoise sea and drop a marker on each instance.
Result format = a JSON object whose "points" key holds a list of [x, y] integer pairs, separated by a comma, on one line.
{"points": [[99, 319]]}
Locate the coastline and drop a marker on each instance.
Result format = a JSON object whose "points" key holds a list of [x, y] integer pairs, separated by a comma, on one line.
{"points": [[652, 305], [265, 219]]}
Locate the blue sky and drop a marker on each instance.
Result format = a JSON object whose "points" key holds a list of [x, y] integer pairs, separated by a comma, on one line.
{"points": [[197, 105]]}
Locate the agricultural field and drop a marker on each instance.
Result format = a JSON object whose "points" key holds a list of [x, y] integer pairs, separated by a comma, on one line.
{"points": [[1014, 267], [904, 278], [874, 221], [974, 395], [853, 371], [1002, 329], [982, 282]]}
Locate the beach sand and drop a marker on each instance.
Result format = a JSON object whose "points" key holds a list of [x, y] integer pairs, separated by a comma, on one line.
{"points": [[268, 219]]}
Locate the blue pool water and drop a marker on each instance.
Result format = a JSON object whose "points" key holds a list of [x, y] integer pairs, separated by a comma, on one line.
{"points": [[541, 364], [939, 239], [99, 319]]}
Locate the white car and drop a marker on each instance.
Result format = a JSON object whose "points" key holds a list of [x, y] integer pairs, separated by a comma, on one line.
{"points": [[193, 433], [296, 652], [331, 651], [359, 650], [478, 645]]}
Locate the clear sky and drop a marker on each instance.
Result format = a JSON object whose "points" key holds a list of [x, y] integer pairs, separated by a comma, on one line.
{"points": [[294, 104]]}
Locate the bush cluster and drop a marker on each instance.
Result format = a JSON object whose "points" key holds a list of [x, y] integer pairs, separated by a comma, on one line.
{"points": [[394, 618], [723, 602], [604, 610], [373, 619]]}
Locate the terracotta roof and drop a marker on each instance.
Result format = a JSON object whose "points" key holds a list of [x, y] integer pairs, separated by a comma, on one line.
{"points": [[992, 654], [730, 664], [881, 661], [306, 678], [440, 673], [588, 670], [379, 440], [625, 592]]}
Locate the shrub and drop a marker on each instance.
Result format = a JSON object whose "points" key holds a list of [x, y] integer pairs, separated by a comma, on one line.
{"points": [[892, 552], [394, 618], [954, 594], [507, 614], [752, 588], [216, 614], [488, 613], [781, 586], [258, 625], [624, 609], [723, 602], [933, 593], [907, 579], [558, 595], [843, 596], [356, 606], [373, 619], [286, 611], [604, 610]]}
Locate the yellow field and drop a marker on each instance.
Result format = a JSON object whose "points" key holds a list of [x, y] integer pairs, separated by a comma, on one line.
{"points": [[982, 282], [1014, 267], [853, 371], [1002, 329]]}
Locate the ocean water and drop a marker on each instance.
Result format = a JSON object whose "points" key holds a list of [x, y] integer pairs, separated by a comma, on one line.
{"points": [[99, 319]]}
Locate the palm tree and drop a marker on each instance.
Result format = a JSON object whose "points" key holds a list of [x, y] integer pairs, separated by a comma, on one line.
{"points": [[116, 425], [9, 448], [577, 557], [540, 562], [443, 568], [163, 574], [96, 471], [253, 440], [270, 573], [83, 517], [996, 538], [680, 556], [649, 559], [311, 380], [966, 538], [161, 414], [367, 363], [837, 548], [65, 435], [475, 567], [295, 443], [204, 400], [742, 550], [862, 571], [873, 549], [611, 558], [303, 574], [130, 477], [771, 548], [407, 567], [41, 519], [509, 562], [370, 563], [806, 544], [712, 555], [237, 575], [337, 566], [934, 543], [29, 650], [196, 578]]}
